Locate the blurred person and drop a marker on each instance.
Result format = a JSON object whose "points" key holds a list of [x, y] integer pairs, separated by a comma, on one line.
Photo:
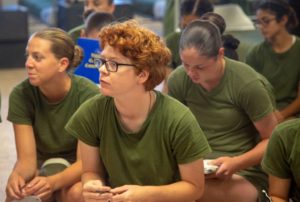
{"points": [[223, 94], [281, 161], [137, 144], [91, 6], [94, 23], [277, 58], [48, 165], [189, 11]]}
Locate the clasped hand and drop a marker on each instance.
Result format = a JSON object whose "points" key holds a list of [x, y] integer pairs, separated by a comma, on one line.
{"points": [[38, 186], [93, 191]]}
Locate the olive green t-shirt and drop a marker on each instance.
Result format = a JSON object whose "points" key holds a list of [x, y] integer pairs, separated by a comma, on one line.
{"points": [[282, 158], [168, 137], [27, 105], [75, 32], [226, 114], [172, 42], [281, 69]]}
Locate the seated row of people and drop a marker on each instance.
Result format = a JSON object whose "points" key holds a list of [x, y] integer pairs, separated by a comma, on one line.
{"points": [[136, 144]]}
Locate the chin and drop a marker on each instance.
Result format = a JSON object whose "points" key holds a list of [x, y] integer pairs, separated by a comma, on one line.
{"points": [[104, 91], [34, 83]]}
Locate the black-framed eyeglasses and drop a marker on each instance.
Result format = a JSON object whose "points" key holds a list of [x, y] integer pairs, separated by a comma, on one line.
{"points": [[263, 22], [111, 66]]}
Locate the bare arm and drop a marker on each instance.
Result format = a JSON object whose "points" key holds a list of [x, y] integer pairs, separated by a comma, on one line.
{"points": [[265, 127], [292, 108], [279, 189], [190, 188], [26, 164], [92, 166], [230, 165]]}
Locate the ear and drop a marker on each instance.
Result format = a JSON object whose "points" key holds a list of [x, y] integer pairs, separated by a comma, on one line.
{"points": [[143, 76], [63, 64], [221, 52], [82, 33], [284, 20]]}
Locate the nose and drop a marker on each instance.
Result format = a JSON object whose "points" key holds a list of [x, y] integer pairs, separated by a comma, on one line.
{"points": [[102, 69], [190, 71], [28, 62]]}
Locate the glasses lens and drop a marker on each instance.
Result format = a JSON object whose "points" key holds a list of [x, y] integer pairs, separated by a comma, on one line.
{"points": [[113, 66], [98, 62]]}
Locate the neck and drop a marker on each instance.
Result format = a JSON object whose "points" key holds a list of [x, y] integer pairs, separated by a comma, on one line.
{"points": [[134, 109], [56, 89], [282, 42]]}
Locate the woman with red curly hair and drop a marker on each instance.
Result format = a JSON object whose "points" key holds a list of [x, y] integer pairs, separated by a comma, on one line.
{"points": [[137, 144]]}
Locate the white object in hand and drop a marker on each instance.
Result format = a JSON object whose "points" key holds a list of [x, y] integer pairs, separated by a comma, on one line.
{"points": [[209, 168]]}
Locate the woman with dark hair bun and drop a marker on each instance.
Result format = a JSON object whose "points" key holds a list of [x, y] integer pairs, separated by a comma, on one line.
{"points": [[223, 95], [277, 58], [230, 43]]}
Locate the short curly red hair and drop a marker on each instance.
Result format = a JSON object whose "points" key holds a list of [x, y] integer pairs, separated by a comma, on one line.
{"points": [[143, 47]]}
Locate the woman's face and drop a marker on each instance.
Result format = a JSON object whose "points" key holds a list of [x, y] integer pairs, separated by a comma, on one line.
{"points": [[41, 64], [198, 67], [268, 25], [98, 6], [121, 82]]}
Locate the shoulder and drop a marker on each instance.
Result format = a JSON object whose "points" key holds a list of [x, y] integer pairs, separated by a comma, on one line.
{"points": [[287, 130], [171, 107], [76, 29], [173, 36], [24, 88], [241, 71], [95, 103], [84, 84]]}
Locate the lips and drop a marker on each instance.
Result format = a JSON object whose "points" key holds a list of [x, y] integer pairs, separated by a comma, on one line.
{"points": [[104, 82]]}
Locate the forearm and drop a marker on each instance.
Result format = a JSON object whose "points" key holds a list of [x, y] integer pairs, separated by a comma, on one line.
{"points": [[277, 199], [68, 177], [253, 156], [87, 176], [291, 109], [177, 192], [26, 168]]}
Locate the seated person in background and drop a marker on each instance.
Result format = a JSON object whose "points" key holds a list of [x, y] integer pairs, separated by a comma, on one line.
{"points": [[123, 10], [277, 58], [39, 108], [91, 6], [94, 23], [223, 95], [282, 162], [89, 42], [189, 11], [151, 146], [230, 43]]}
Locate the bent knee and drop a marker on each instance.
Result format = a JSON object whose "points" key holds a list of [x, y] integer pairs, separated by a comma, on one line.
{"points": [[74, 193]]}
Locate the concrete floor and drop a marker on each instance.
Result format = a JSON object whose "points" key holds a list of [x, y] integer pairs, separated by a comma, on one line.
{"points": [[8, 79]]}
